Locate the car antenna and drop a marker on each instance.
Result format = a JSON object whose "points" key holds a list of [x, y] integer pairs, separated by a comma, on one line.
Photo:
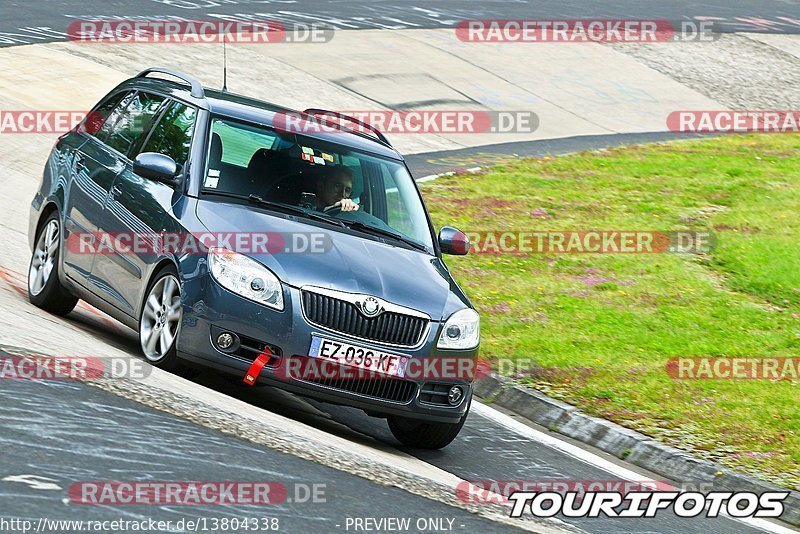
{"points": [[224, 65]]}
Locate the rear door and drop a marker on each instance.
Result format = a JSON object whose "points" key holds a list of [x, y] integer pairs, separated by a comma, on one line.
{"points": [[92, 168]]}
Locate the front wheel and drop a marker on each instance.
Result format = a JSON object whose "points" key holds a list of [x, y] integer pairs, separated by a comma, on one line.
{"points": [[160, 320], [425, 435], [44, 287]]}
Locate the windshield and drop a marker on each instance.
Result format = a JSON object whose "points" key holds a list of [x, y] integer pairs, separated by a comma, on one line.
{"points": [[361, 190]]}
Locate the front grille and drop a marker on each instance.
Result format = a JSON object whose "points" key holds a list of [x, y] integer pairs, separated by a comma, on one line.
{"points": [[388, 389], [342, 316]]}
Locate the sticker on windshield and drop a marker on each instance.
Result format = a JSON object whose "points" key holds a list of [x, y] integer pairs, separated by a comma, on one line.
{"points": [[307, 150], [318, 160], [213, 172], [307, 157], [211, 180], [327, 157]]}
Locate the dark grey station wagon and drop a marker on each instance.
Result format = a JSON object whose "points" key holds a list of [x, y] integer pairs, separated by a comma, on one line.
{"points": [[357, 280]]}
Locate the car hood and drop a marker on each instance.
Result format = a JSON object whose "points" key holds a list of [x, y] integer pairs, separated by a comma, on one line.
{"points": [[349, 263]]}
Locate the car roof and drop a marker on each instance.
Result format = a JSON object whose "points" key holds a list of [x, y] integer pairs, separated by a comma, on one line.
{"points": [[258, 111]]}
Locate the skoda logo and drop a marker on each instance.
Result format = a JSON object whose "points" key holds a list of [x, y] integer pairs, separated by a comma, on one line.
{"points": [[371, 307]]}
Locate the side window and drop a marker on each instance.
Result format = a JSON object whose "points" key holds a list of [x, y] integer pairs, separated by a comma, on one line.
{"points": [[172, 135], [238, 144], [131, 122], [106, 113]]}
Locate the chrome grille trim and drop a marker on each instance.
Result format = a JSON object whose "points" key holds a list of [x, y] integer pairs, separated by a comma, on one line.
{"points": [[338, 311]]}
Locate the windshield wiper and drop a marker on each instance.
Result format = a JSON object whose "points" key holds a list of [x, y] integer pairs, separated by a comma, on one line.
{"points": [[386, 233], [255, 199], [224, 194]]}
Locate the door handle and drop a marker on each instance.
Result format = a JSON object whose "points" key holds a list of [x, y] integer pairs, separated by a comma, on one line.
{"points": [[80, 166], [116, 191]]}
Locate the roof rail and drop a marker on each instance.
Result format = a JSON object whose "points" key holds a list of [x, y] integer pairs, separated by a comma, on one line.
{"points": [[380, 136], [197, 87]]}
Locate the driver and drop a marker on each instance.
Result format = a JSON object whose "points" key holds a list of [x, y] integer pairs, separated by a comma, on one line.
{"points": [[334, 187]]}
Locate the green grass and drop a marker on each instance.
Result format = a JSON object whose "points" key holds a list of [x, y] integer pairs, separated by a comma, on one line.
{"points": [[596, 330]]}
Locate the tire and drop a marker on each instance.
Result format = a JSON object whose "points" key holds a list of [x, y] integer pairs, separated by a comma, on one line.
{"points": [[425, 435], [44, 287], [160, 319]]}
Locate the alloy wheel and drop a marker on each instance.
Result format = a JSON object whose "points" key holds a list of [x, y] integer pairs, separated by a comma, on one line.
{"points": [[161, 318], [43, 258]]}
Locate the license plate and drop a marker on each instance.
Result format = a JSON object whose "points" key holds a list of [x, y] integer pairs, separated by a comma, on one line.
{"points": [[359, 357]]}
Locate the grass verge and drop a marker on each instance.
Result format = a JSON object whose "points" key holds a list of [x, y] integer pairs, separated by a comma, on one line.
{"points": [[597, 330]]}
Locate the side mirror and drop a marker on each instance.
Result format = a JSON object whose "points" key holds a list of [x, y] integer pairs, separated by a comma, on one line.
{"points": [[453, 241], [156, 167]]}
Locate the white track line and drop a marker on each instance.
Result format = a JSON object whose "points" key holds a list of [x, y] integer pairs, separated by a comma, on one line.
{"points": [[594, 460]]}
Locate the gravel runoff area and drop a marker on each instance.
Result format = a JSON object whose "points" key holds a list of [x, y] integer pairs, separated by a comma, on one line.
{"points": [[738, 70]]}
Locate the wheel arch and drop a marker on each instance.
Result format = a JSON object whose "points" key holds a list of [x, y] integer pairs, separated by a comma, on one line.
{"points": [[48, 209], [160, 265]]}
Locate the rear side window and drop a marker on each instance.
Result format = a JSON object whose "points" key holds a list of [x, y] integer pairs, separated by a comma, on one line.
{"points": [[172, 135], [114, 105], [127, 123]]}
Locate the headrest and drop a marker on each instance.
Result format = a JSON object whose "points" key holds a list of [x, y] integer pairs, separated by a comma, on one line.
{"points": [[216, 149], [260, 160]]}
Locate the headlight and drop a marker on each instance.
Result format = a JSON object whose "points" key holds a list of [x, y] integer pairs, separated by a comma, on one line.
{"points": [[245, 277], [461, 331]]}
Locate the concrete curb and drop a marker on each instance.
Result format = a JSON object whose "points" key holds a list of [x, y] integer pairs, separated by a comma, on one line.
{"points": [[629, 445]]}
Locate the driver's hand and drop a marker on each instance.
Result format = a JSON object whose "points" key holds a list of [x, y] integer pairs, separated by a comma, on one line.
{"points": [[345, 205]]}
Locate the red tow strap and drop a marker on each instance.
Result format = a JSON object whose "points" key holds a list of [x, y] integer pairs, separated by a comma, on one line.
{"points": [[258, 365]]}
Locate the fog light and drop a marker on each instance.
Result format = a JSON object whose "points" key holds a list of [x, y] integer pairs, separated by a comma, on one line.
{"points": [[454, 397], [225, 340]]}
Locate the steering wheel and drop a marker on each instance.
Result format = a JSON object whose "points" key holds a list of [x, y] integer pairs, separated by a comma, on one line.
{"points": [[333, 210]]}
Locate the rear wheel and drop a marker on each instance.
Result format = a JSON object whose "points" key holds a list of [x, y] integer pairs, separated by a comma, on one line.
{"points": [[424, 434], [160, 320], [44, 287]]}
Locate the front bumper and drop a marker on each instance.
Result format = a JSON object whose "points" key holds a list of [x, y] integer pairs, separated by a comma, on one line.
{"points": [[209, 308]]}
